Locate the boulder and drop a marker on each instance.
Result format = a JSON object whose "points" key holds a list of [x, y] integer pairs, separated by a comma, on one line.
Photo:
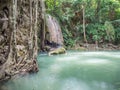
{"points": [[59, 50]]}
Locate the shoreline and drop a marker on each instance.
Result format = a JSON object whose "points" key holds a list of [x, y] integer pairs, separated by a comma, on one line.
{"points": [[94, 47]]}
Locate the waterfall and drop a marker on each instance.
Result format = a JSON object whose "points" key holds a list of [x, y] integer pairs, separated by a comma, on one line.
{"points": [[53, 36], [51, 33], [54, 30]]}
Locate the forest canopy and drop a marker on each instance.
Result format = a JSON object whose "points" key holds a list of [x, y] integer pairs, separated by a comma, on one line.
{"points": [[102, 20]]}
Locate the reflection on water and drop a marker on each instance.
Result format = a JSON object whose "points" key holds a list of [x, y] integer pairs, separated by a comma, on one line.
{"points": [[74, 71]]}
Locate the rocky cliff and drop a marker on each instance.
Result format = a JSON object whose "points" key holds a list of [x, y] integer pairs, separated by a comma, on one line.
{"points": [[20, 23]]}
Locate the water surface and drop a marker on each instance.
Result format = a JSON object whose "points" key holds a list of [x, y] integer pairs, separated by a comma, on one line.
{"points": [[74, 71]]}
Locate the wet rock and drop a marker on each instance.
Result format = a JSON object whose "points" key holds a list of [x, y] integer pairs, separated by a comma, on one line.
{"points": [[60, 50], [2, 74], [16, 48], [47, 48], [1, 39], [3, 88], [2, 59]]}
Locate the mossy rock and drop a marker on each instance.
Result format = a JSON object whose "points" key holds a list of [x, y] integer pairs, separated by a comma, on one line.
{"points": [[60, 50]]}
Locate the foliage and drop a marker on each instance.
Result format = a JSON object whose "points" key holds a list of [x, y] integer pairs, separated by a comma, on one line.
{"points": [[117, 35], [69, 42], [52, 6], [96, 32], [110, 31], [98, 16]]}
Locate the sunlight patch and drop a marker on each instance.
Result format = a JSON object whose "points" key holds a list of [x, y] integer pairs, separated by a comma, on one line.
{"points": [[70, 58], [55, 68], [74, 84], [95, 61]]}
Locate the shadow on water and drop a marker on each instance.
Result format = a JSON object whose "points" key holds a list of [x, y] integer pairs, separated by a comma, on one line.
{"points": [[74, 71]]}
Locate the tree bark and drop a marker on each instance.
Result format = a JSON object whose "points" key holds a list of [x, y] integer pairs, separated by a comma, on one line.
{"points": [[84, 31], [97, 14]]}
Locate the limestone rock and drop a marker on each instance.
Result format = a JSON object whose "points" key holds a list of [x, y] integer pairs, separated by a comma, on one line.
{"points": [[60, 50]]}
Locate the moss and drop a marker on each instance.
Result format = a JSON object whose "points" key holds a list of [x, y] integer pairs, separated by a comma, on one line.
{"points": [[60, 50]]}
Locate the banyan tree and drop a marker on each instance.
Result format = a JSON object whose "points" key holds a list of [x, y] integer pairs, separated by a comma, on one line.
{"points": [[20, 23]]}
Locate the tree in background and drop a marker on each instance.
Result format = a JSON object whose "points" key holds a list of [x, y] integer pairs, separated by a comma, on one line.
{"points": [[97, 13]]}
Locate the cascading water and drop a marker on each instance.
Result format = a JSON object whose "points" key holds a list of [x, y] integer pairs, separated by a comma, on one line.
{"points": [[54, 30], [53, 36]]}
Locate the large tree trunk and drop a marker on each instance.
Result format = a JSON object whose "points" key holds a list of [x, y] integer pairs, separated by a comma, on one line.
{"points": [[19, 27]]}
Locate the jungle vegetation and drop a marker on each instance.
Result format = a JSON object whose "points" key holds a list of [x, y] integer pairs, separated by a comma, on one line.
{"points": [[87, 21]]}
